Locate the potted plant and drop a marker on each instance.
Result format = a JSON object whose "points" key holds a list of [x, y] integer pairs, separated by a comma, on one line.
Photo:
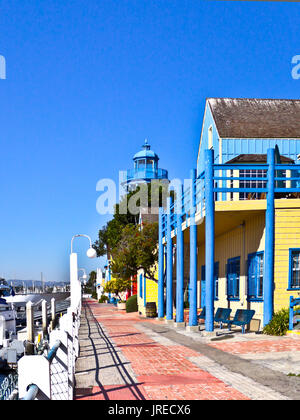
{"points": [[121, 305]]}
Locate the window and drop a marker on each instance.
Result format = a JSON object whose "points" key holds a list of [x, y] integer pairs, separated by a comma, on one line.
{"points": [[141, 164], [256, 183], [150, 163], [255, 276], [294, 277], [233, 278]]}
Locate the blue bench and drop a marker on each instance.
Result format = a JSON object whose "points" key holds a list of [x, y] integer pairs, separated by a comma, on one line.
{"points": [[222, 316], [241, 318]]}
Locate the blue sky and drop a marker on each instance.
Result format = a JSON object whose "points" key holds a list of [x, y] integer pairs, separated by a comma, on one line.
{"points": [[88, 81]]}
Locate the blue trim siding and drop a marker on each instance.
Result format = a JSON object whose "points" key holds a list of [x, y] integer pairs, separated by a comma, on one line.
{"points": [[234, 147]]}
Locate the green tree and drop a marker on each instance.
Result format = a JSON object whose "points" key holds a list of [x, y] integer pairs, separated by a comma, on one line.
{"points": [[117, 286], [90, 285], [110, 235], [131, 247], [136, 250]]}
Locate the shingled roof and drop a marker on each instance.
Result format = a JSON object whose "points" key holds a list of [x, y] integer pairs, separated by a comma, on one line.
{"points": [[257, 158], [256, 118]]}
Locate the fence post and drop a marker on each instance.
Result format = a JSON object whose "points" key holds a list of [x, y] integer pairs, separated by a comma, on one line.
{"points": [[53, 313], [74, 282], [59, 366], [30, 329], [44, 318], [34, 370]]}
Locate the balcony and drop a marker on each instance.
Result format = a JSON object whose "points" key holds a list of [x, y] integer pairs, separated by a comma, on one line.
{"points": [[247, 184], [146, 174]]}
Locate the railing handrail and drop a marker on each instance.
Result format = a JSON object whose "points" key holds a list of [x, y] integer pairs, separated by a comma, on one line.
{"points": [[32, 392], [230, 183], [33, 389], [53, 351], [293, 302]]}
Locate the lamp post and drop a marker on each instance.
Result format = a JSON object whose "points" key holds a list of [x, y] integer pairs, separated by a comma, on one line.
{"points": [[75, 284], [83, 278]]}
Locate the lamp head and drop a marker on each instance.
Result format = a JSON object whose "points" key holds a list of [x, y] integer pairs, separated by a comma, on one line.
{"points": [[91, 253]]}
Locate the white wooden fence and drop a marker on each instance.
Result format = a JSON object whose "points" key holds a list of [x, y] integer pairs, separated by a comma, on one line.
{"points": [[51, 376]]}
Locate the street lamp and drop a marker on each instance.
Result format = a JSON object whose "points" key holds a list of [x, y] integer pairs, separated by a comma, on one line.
{"points": [[75, 284], [91, 252]]}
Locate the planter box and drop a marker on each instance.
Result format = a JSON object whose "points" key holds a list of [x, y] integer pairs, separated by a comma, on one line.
{"points": [[121, 306]]}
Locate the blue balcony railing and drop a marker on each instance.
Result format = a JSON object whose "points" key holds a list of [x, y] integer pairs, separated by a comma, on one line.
{"points": [[236, 183], [145, 173]]}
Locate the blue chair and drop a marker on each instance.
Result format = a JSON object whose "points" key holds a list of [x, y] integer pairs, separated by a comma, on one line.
{"points": [[241, 318], [222, 316]]}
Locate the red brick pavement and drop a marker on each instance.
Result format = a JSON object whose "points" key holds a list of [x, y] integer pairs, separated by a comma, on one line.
{"points": [[163, 372], [259, 346]]}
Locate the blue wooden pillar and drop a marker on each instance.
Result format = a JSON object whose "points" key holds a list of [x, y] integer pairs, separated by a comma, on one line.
{"points": [[209, 240], [269, 241], [193, 321], [169, 304], [161, 267], [179, 262]]}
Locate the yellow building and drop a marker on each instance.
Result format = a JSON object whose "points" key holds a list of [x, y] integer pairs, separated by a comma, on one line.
{"points": [[236, 228], [147, 291]]}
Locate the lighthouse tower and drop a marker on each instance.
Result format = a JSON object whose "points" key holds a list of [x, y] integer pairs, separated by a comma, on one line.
{"points": [[145, 169]]}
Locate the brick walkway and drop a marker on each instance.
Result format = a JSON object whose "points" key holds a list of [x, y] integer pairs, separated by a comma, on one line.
{"points": [[121, 359]]}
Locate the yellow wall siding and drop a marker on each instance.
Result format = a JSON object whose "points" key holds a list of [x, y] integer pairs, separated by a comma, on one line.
{"points": [[287, 235], [151, 291], [239, 242]]}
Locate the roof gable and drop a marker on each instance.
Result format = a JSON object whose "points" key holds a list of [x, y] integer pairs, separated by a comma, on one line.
{"points": [[256, 118]]}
